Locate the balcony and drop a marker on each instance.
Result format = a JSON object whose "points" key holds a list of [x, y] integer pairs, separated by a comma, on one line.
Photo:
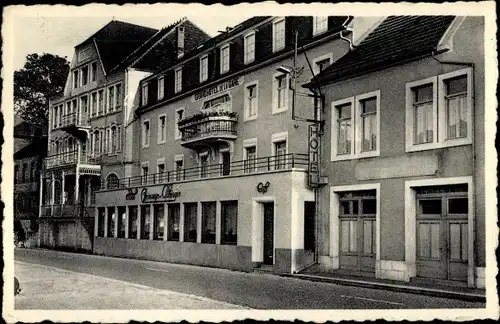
{"points": [[66, 211], [74, 123], [88, 164], [207, 129], [248, 167]]}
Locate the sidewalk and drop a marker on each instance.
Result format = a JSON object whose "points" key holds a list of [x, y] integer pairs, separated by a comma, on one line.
{"points": [[461, 293], [46, 288]]}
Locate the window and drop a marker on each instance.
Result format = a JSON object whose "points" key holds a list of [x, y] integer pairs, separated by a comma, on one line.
{"points": [[118, 95], [16, 174], [280, 93], [356, 127], [112, 181], [119, 138], [111, 222], [320, 24], [178, 80], [33, 170], [190, 221], [122, 218], [219, 103], [158, 224], [84, 107], [279, 34], [161, 87], [145, 133], [179, 114], [208, 210], [75, 79], [145, 173], [162, 129], [160, 169], [204, 166], [439, 111], [249, 156], [111, 98], [280, 155], [229, 222], [249, 47], [93, 71], [55, 116], [323, 64], [100, 221], [145, 94], [251, 101], [85, 75], [133, 222], [100, 96], [174, 215], [114, 140], [61, 108], [145, 222], [93, 104], [224, 59], [179, 175], [25, 174], [203, 68]]}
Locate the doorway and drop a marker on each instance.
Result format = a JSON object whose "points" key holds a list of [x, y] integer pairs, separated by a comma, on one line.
{"points": [[268, 213], [226, 163]]}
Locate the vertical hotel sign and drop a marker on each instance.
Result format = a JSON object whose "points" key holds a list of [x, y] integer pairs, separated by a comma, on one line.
{"points": [[313, 144]]}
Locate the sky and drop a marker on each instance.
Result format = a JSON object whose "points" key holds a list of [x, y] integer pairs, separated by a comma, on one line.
{"points": [[44, 33]]}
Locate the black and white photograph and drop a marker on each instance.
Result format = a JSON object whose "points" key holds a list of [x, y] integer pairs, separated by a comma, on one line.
{"points": [[319, 162]]}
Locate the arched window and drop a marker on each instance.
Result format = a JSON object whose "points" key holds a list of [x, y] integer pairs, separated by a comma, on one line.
{"points": [[112, 181], [113, 139]]}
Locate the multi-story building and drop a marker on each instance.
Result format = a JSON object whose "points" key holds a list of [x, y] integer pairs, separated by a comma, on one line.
{"points": [[403, 153], [221, 177], [30, 147], [89, 121]]}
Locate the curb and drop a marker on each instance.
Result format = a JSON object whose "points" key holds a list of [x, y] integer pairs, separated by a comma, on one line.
{"points": [[393, 287]]}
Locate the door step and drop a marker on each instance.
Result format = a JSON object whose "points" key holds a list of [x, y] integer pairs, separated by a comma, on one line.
{"points": [[264, 269], [437, 283]]}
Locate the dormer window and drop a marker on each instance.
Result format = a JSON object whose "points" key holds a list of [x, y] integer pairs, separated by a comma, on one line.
{"points": [[93, 71], [161, 87], [203, 68], [145, 94], [279, 34], [224, 59], [320, 24], [249, 47], [180, 42]]}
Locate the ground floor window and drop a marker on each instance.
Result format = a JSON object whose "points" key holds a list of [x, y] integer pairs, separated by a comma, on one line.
{"points": [[229, 222], [111, 222], [159, 215], [174, 215], [208, 211], [145, 222], [190, 217], [100, 221], [133, 222], [122, 219]]}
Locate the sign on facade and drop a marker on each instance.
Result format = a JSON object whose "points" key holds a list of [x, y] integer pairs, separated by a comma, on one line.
{"points": [[313, 144], [167, 194], [219, 88]]}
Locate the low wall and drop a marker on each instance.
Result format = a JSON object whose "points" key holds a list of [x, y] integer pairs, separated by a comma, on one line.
{"points": [[218, 256]]}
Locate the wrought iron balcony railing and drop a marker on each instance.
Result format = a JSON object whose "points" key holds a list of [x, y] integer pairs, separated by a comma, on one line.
{"points": [[243, 167], [70, 158], [209, 127], [75, 120]]}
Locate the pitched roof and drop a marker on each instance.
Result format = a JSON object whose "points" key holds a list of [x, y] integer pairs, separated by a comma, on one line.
{"points": [[396, 40], [117, 40]]}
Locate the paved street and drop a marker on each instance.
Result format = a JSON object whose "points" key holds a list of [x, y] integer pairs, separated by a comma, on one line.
{"points": [[248, 290]]}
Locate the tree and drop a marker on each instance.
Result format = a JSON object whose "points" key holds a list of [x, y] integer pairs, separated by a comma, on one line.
{"points": [[41, 78]]}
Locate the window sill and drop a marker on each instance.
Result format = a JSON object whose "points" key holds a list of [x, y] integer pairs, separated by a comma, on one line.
{"points": [[279, 111], [434, 146], [161, 142], [144, 146], [355, 156], [249, 62], [319, 32], [250, 118]]}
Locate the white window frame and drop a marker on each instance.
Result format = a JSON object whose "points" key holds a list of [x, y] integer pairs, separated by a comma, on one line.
{"points": [[145, 90], [319, 59], [119, 137], [246, 59], [251, 142], [276, 138], [143, 135], [145, 164], [93, 74], [222, 69], [356, 128], [439, 112], [178, 134], [275, 109], [159, 131], [203, 73], [75, 80], [315, 30], [177, 158], [113, 100], [275, 22], [111, 152], [246, 116], [81, 76], [161, 87], [178, 81], [158, 163]]}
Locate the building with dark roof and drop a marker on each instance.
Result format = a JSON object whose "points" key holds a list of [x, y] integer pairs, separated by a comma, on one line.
{"points": [[402, 154], [89, 121]]}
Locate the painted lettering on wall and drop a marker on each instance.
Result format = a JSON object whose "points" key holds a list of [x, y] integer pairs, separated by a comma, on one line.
{"points": [[166, 194], [313, 156], [211, 91]]}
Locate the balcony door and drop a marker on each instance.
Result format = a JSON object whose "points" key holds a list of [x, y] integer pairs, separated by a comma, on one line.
{"points": [[225, 160]]}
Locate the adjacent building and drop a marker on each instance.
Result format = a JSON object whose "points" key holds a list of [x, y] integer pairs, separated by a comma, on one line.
{"points": [[403, 153]]}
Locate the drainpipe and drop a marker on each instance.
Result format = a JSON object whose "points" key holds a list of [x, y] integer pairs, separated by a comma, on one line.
{"points": [[473, 96]]}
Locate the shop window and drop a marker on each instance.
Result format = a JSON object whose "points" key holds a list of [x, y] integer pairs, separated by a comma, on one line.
{"points": [[133, 222], [190, 220], [100, 221], [158, 225], [208, 210], [145, 222], [229, 222], [122, 219], [111, 221], [174, 215]]}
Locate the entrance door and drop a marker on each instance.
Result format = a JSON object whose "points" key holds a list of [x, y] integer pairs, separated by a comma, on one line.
{"points": [[442, 230], [268, 233], [357, 215]]}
